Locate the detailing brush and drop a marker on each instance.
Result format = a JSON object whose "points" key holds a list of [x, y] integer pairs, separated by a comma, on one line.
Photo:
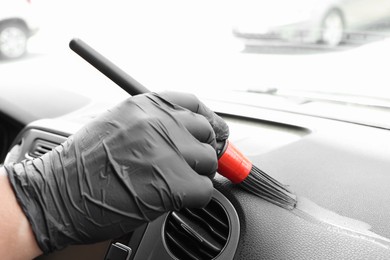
{"points": [[239, 169], [231, 162]]}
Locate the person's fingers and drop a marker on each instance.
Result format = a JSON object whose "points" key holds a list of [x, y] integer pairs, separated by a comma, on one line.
{"points": [[198, 192], [198, 126], [199, 154], [192, 103], [200, 157], [197, 144]]}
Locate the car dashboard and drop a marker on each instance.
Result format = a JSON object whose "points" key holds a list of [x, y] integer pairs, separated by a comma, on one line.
{"points": [[338, 170]]}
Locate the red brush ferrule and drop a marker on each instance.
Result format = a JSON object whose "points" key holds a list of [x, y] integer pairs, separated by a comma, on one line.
{"points": [[233, 164]]}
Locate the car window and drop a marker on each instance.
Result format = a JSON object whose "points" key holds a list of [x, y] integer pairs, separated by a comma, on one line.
{"points": [[332, 47]]}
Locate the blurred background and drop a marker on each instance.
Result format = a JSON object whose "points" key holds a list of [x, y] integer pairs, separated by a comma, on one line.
{"points": [[335, 46]]}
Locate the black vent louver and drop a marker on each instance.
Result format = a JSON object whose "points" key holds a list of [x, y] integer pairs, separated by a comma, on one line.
{"points": [[197, 233], [40, 147]]}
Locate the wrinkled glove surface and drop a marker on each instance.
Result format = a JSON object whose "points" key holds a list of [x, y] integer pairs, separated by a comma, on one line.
{"points": [[140, 159]]}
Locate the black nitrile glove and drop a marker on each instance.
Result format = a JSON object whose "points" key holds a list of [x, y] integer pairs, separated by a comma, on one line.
{"points": [[192, 103], [140, 159]]}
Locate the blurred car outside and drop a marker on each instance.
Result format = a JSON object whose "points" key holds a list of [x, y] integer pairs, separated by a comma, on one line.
{"points": [[18, 22], [327, 22]]}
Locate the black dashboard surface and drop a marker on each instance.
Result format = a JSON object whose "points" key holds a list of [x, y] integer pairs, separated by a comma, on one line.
{"points": [[343, 206], [339, 171]]}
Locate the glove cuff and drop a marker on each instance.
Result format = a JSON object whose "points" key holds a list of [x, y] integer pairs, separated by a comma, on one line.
{"points": [[19, 176]]}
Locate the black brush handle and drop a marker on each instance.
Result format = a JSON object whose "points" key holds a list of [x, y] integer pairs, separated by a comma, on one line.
{"points": [[131, 86], [117, 75], [105, 66]]}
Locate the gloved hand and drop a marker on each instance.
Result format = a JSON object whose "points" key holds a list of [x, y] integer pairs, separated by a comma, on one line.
{"points": [[192, 103], [140, 159]]}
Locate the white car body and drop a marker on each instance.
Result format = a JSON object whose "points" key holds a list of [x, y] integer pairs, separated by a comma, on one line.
{"points": [[22, 10], [302, 20], [18, 22]]}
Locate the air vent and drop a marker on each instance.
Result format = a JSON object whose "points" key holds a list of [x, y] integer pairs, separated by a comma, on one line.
{"points": [[197, 233], [40, 147]]}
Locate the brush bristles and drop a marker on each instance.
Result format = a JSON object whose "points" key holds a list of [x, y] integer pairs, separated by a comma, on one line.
{"points": [[266, 187]]}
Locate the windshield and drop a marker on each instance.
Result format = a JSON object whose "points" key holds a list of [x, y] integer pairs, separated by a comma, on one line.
{"points": [[330, 46]]}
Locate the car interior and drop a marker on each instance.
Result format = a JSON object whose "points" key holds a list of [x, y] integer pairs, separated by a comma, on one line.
{"points": [[333, 154], [341, 182]]}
